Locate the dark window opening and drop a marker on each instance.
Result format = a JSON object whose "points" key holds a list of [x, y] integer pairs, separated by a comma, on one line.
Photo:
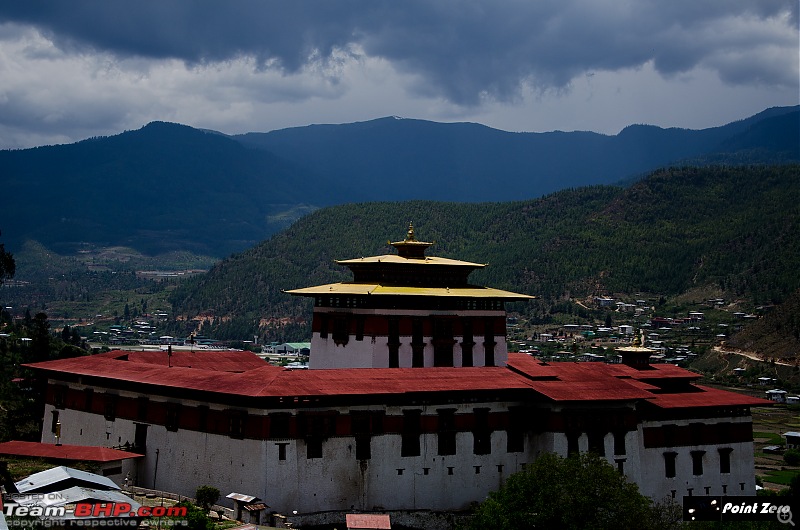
{"points": [[620, 465], [669, 435], [619, 443], [669, 464], [323, 326], [54, 423], [141, 408], [279, 425], [572, 443], [696, 433], [363, 449], [59, 395], [417, 344], [467, 343], [597, 443], [88, 395], [412, 423], [443, 342], [482, 435], [313, 447], [488, 342], [394, 343], [697, 462], [446, 432], [725, 459], [282, 451], [341, 333], [112, 471], [515, 434], [140, 437], [173, 416], [202, 417], [360, 328], [238, 420], [110, 407]]}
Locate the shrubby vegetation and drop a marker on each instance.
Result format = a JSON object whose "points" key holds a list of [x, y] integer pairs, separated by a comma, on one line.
{"points": [[577, 492]]}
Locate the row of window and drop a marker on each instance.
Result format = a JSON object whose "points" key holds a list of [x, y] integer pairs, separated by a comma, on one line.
{"points": [[438, 303], [670, 459]]}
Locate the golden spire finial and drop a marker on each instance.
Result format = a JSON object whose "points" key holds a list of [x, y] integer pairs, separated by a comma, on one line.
{"points": [[410, 234]]}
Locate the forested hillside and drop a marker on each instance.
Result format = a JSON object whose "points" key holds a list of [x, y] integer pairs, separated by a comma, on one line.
{"points": [[732, 230], [168, 187]]}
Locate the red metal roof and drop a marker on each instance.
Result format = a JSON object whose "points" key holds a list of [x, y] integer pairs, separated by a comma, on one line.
{"points": [[707, 397], [555, 381], [64, 452], [217, 360], [367, 521]]}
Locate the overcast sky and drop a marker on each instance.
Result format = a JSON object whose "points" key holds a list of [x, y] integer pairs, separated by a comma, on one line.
{"points": [[74, 69]]}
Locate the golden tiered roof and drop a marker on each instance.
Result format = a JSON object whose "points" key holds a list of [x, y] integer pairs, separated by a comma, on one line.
{"points": [[409, 273]]}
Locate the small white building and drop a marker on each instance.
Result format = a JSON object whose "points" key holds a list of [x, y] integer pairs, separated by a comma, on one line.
{"points": [[778, 396]]}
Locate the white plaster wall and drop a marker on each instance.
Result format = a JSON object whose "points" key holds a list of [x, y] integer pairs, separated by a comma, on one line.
{"points": [[654, 483], [181, 461], [373, 351], [337, 481]]}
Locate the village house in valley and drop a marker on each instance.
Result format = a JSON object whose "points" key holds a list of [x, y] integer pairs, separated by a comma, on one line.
{"points": [[411, 402]]}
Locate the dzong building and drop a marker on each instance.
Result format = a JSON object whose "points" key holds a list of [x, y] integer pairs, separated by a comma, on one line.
{"points": [[412, 403]]}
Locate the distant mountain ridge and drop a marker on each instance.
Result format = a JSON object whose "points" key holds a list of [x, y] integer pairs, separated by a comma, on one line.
{"points": [[171, 187]]}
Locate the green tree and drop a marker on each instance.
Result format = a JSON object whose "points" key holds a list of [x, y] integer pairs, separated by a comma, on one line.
{"points": [[206, 496], [792, 457], [7, 264], [40, 339], [196, 518], [580, 491]]}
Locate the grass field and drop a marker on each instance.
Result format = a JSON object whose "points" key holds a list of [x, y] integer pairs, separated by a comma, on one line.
{"points": [[769, 423]]}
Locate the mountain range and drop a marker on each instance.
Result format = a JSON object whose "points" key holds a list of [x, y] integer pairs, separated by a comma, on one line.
{"points": [[688, 234], [168, 187]]}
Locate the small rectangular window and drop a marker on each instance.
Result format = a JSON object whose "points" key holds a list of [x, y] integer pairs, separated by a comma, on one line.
{"points": [[173, 416], [411, 432], [697, 462], [669, 464], [282, 450], [619, 443], [59, 396], [88, 395], [572, 443], [725, 459], [341, 332], [360, 328], [141, 408], [110, 407], [446, 432], [481, 435], [54, 423], [238, 421], [313, 447], [279, 425]]}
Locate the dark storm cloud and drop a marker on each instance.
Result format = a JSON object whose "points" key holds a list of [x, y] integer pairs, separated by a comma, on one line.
{"points": [[460, 50]]}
